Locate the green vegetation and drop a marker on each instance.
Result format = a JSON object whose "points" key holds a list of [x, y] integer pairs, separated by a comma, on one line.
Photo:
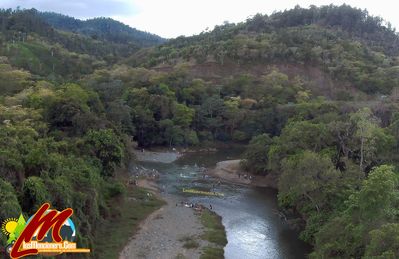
{"points": [[189, 242], [214, 233], [30, 42], [102, 29], [312, 91], [211, 252], [129, 212], [180, 256], [333, 169]]}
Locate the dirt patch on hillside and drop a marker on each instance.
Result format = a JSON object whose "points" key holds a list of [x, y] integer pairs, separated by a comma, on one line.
{"points": [[320, 82]]}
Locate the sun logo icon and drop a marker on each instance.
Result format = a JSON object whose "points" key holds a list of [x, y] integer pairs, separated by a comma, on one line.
{"points": [[9, 225]]}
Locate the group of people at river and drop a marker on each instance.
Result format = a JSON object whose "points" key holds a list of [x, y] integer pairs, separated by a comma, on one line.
{"points": [[196, 206], [250, 177]]}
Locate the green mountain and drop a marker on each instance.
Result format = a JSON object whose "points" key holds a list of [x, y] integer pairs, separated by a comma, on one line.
{"points": [[32, 43], [103, 29]]}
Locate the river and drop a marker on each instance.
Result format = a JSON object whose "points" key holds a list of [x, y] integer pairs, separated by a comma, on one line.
{"points": [[253, 228]]}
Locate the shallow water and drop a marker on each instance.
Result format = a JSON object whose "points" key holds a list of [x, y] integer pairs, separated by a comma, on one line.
{"points": [[254, 230]]}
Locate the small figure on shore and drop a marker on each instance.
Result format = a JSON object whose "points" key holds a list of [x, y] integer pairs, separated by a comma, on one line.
{"points": [[210, 206], [239, 175]]}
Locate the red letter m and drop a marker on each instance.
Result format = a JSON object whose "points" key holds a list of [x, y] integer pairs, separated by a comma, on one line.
{"points": [[52, 219]]}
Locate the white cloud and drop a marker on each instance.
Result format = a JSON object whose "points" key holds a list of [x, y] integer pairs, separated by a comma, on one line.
{"points": [[76, 8], [187, 17], [171, 18]]}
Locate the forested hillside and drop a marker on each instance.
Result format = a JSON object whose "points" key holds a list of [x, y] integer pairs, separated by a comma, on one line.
{"points": [[102, 28], [313, 92], [56, 143], [343, 42], [31, 43]]}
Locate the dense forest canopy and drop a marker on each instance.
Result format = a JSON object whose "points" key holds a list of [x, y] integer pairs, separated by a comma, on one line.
{"points": [[312, 92]]}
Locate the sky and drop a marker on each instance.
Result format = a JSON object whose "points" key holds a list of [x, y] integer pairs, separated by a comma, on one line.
{"points": [[173, 18]]}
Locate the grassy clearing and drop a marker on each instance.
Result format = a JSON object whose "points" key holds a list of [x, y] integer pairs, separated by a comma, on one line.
{"points": [[124, 221], [215, 233]]}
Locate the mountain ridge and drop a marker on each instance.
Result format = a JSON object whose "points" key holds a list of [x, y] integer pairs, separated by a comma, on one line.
{"points": [[345, 42], [102, 28]]}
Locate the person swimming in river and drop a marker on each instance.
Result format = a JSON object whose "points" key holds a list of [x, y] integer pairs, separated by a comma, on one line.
{"points": [[210, 206]]}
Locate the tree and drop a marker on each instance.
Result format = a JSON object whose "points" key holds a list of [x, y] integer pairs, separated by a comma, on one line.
{"points": [[372, 138], [191, 138], [232, 114], [210, 114], [120, 114], [106, 146], [297, 136], [182, 115], [35, 194], [9, 205], [193, 94], [12, 80], [384, 242], [308, 176], [172, 133], [256, 154], [347, 234]]}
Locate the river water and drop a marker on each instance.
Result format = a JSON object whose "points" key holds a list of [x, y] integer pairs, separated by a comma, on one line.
{"points": [[254, 230]]}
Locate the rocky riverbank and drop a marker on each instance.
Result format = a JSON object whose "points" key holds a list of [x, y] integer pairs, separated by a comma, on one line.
{"points": [[174, 231]]}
